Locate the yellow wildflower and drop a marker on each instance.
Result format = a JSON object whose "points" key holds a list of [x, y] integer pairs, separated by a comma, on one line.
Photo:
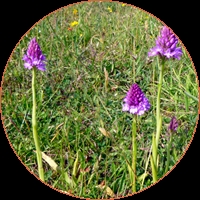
{"points": [[74, 23], [123, 4], [81, 35], [75, 11], [109, 9]]}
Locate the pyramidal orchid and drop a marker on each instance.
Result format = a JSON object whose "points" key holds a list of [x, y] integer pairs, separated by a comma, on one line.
{"points": [[34, 59], [173, 125], [34, 56], [166, 48], [172, 128], [166, 45], [136, 103]]}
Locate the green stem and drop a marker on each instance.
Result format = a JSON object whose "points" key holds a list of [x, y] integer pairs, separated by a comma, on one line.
{"points": [[158, 126], [153, 159], [158, 115], [134, 154], [34, 125]]}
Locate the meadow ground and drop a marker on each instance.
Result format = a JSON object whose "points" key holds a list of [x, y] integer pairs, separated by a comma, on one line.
{"points": [[95, 52]]}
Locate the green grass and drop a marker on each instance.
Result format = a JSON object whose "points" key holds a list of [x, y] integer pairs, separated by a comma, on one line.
{"points": [[73, 101]]}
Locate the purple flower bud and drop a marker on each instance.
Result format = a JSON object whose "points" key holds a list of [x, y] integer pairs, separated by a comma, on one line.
{"points": [[34, 56], [135, 101], [173, 124], [166, 45], [172, 40]]}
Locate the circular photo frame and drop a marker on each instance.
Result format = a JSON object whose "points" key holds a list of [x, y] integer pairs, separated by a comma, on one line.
{"points": [[100, 100]]}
